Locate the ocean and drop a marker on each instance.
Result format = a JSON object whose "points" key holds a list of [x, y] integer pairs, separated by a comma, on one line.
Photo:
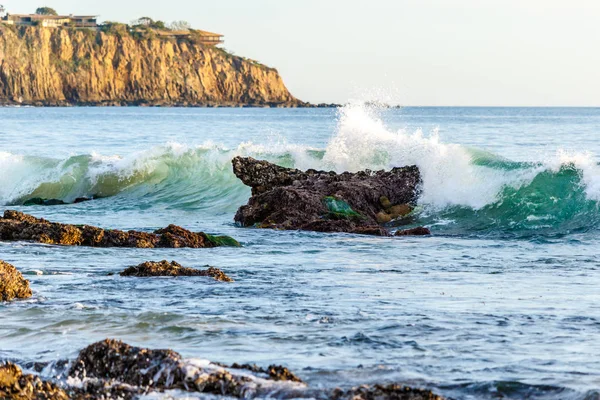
{"points": [[502, 301]]}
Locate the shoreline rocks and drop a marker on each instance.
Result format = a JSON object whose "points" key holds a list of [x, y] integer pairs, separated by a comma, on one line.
{"points": [[114, 369], [12, 284], [165, 268], [15, 385], [18, 226], [135, 370], [290, 199]]}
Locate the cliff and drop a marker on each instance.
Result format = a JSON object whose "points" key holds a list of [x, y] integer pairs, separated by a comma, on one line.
{"points": [[54, 67]]}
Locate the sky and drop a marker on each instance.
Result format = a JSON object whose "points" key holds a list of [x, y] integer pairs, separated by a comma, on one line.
{"points": [[406, 52]]}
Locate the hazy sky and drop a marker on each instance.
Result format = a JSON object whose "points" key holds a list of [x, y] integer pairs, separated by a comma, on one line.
{"points": [[413, 52]]}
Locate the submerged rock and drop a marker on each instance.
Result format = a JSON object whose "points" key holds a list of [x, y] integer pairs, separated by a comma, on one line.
{"points": [[15, 385], [275, 372], [419, 231], [284, 198], [17, 226], [165, 268], [12, 284], [38, 201], [381, 392]]}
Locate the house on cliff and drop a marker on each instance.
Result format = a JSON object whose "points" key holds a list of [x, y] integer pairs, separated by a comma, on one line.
{"points": [[52, 21], [204, 37]]}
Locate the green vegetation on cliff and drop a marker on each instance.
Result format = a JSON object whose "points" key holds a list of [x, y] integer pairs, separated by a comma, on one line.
{"points": [[118, 66]]}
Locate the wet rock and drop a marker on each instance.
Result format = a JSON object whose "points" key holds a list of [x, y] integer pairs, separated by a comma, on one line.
{"points": [[38, 201], [15, 385], [275, 372], [284, 198], [165, 268], [420, 231], [12, 284], [115, 362], [17, 226], [381, 392], [112, 369]]}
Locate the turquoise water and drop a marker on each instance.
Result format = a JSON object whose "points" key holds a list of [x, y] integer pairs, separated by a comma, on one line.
{"points": [[501, 301]]}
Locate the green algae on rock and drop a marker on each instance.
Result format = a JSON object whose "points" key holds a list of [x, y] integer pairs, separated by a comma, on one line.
{"points": [[165, 268], [12, 284], [340, 209], [17, 226]]}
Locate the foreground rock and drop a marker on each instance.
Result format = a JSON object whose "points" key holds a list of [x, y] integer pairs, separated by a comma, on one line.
{"points": [[15, 385], [12, 284], [145, 370], [284, 198], [17, 226], [114, 365], [112, 369], [165, 268]]}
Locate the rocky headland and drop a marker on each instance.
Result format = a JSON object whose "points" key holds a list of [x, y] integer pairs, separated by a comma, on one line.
{"points": [[165, 268], [290, 199], [17, 226], [64, 66], [113, 369]]}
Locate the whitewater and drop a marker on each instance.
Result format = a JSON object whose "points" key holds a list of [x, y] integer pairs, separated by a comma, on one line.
{"points": [[501, 300]]}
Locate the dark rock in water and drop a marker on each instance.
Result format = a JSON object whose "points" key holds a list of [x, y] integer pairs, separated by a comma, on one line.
{"points": [[165, 268], [17, 226], [38, 201], [112, 369], [12, 284], [82, 200], [420, 231], [381, 392], [275, 372], [15, 385], [115, 360], [284, 198]]}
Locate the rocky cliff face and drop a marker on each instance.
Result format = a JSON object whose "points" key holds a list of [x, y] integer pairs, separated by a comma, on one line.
{"points": [[49, 66]]}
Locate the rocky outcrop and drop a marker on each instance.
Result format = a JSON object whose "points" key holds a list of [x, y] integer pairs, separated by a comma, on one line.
{"points": [[284, 198], [145, 370], [12, 284], [14, 385], [165, 268], [17, 226], [113, 364], [62, 66]]}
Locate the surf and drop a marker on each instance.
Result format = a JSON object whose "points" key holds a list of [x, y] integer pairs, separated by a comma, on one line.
{"points": [[465, 191]]}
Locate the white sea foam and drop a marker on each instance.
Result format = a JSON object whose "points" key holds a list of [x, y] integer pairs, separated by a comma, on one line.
{"points": [[449, 176]]}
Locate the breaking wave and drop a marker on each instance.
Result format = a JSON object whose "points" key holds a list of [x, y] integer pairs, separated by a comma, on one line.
{"points": [[465, 190]]}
